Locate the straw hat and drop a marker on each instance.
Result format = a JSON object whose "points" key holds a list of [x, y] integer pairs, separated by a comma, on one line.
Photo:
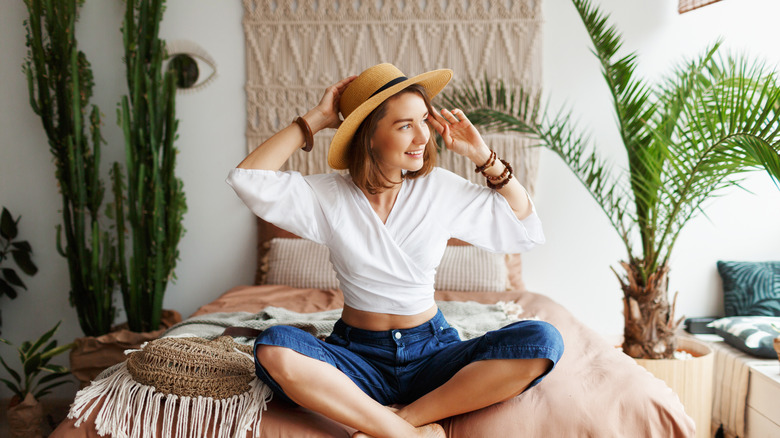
{"points": [[192, 367], [366, 92]]}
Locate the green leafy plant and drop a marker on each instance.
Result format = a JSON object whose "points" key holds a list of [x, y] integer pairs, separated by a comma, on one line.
{"points": [[60, 84], [686, 140], [20, 250], [34, 358], [153, 197]]}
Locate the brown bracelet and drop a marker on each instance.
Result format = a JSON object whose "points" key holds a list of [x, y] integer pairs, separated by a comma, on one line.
{"points": [[306, 133], [487, 164], [501, 184], [505, 181], [507, 170]]}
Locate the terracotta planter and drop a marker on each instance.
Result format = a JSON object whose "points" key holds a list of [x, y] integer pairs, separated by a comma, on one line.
{"points": [[25, 419], [93, 354], [690, 379]]}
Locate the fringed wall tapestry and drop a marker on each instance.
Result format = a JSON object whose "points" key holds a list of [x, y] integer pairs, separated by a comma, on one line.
{"points": [[296, 48]]}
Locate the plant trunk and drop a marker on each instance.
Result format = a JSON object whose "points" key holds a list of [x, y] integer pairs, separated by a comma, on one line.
{"points": [[650, 324]]}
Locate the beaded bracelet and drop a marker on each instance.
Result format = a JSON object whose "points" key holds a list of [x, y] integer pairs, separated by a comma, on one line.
{"points": [[488, 163], [499, 185], [307, 134], [507, 170], [505, 181]]}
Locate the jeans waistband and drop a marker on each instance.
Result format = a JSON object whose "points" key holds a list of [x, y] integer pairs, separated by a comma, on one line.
{"points": [[424, 330]]}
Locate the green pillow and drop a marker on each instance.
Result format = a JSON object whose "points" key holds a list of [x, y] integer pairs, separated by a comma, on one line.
{"points": [[750, 288], [752, 334]]}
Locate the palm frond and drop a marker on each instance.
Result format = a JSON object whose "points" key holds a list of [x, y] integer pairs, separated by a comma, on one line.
{"points": [[607, 186], [648, 184], [633, 107], [500, 107], [727, 124], [631, 95], [764, 155], [676, 89]]}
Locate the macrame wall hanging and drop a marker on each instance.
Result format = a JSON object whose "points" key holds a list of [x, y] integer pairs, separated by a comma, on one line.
{"points": [[296, 48]]}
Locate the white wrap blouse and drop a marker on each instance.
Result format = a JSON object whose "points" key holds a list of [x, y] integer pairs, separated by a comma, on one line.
{"points": [[387, 267]]}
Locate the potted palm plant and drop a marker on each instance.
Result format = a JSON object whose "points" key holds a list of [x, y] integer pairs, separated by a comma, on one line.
{"points": [[686, 140]]}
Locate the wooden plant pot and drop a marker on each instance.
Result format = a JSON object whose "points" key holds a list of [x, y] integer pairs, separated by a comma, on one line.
{"points": [[93, 354], [690, 379], [25, 419]]}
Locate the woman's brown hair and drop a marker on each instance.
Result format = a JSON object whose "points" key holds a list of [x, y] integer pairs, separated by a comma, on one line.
{"points": [[363, 166]]}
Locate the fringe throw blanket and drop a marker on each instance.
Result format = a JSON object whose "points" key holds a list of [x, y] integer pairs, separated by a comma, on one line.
{"points": [[471, 319], [131, 409]]}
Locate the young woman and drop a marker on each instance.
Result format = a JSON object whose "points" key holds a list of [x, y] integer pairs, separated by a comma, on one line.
{"points": [[386, 224]]}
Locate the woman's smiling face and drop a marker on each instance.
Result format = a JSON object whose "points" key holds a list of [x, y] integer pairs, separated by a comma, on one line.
{"points": [[401, 136]]}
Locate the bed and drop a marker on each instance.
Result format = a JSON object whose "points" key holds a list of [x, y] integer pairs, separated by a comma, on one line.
{"points": [[595, 390]]}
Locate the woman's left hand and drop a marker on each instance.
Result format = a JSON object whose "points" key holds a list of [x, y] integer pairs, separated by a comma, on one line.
{"points": [[459, 135]]}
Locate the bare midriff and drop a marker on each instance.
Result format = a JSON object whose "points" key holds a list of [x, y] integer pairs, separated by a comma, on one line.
{"points": [[384, 321]]}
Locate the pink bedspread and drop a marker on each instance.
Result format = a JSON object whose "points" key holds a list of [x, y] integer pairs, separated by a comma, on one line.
{"points": [[595, 391]]}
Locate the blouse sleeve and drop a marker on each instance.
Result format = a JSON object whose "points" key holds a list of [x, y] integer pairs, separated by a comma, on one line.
{"points": [[482, 216], [286, 199]]}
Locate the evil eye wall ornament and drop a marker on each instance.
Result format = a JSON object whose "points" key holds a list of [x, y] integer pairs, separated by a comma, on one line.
{"points": [[193, 66]]}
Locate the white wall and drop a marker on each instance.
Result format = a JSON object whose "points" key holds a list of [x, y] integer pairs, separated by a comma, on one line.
{"points": [[217, 252]]}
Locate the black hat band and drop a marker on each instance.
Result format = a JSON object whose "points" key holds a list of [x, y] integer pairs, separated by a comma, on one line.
{"points": [[389, 84]]}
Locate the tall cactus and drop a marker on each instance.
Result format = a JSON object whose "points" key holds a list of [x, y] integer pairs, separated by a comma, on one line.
{"points": [[60, 83], [155, 203]]}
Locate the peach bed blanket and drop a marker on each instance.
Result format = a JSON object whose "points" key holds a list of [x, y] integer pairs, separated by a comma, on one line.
{"points": [[594, 391]]}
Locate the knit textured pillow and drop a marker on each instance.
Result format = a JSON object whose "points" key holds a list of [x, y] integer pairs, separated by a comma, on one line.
{"points": [[750, 288], [471, 269], [302, 263], [751, 334], [299, 263]]}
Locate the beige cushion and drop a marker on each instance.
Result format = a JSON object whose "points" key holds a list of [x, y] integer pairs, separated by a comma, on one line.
{"points": [[299, 263], [471, 269], [305, 264]]}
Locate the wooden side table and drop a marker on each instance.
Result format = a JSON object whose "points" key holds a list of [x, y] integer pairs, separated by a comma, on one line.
{"points": [[763, 409]]}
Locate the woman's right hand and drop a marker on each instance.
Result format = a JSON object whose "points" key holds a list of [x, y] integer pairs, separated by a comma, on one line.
{"points": [[326, 113]]}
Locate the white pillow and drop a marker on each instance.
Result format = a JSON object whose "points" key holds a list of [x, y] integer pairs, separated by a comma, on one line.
{"points": [[302, 263]]}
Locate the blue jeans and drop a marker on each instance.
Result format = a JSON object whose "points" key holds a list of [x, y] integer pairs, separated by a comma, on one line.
{"points": [[400, 366]]}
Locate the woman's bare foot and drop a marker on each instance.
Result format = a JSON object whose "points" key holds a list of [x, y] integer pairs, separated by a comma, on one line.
{"points": [[433, 430]]}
